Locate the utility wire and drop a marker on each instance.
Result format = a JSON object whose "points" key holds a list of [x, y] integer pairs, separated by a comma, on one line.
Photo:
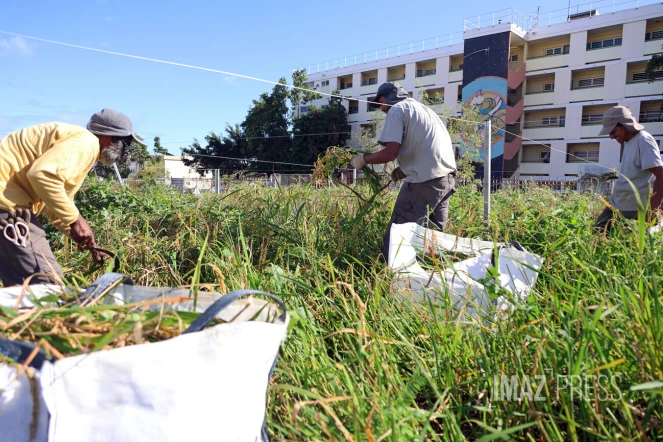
{"points": [[216, 71]]}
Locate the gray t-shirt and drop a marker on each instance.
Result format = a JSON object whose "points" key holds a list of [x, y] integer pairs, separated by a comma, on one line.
{"points": [[426, 151], [640, 154]]}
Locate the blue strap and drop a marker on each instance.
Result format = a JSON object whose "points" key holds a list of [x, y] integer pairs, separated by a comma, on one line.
{"points": [[19, 351], [213, 310], [101, 286]]}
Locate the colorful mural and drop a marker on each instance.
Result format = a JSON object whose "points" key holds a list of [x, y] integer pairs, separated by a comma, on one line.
{"points": [[485, 73]]}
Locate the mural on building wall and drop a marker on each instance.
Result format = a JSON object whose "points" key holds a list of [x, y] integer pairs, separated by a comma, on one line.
{"points": [[485, 73]]}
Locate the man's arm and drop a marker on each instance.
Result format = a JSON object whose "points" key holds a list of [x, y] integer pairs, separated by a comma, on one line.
{"points": [[657, 192], [389, 153], [62, 166]]}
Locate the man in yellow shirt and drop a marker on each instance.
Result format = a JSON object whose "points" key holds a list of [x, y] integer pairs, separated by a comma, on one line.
{"points": [[41, 169]]}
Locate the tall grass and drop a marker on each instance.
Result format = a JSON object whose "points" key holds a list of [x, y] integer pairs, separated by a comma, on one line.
{"points": [[360, 364]]}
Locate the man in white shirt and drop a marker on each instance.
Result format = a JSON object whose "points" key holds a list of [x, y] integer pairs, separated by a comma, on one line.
{"points": [[641, 163], [415, 135]]}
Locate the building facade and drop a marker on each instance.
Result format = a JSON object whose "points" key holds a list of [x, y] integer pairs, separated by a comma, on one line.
{"points": [[544, 81]]}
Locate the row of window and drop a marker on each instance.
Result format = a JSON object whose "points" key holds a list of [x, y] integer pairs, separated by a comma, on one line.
{"points": [[424, 72], [608, 43], [544, 157]]}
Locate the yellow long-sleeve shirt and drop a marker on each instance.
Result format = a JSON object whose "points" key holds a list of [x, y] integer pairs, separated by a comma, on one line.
{"points": [[43, 166]]}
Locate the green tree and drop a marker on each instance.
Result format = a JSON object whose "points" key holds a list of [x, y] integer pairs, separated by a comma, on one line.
{"points": [[298, 96], [331, 120], [158, 148], [231, 145], [266, 127]]}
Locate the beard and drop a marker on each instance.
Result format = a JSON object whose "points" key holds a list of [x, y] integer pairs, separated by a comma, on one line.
{"points": [[112, 154]]}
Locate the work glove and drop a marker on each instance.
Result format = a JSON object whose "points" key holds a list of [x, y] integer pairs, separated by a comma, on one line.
{"points": [[397, 175], [358, 162]]}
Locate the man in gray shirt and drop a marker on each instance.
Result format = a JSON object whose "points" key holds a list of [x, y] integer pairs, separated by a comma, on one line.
{"points": [[641, 163], [415, 135]]}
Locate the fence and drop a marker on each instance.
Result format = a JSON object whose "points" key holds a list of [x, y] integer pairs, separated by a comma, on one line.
{"points": [[201, 185], [556, 185]]}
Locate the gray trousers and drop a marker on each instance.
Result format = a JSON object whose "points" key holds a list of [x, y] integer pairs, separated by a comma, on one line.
{"points": [[17, 263], [607, 219], [426, 204]]}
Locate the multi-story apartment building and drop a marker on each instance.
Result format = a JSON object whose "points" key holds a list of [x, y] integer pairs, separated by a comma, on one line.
{"points": [[544, 81]]}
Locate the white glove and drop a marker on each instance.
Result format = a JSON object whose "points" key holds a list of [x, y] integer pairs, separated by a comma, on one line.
{"points": [[358, 162]]}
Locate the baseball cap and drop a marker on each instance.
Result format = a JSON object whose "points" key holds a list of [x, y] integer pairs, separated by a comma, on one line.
{"points": [[385, 89], [619, 115], [112, 123]]}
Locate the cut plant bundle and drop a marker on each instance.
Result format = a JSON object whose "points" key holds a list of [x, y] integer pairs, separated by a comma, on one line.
{"points": [[338, 158]]}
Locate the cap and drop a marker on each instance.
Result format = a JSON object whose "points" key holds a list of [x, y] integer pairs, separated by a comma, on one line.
{"points": [[113, 124], [385, 89], [619, 115]]}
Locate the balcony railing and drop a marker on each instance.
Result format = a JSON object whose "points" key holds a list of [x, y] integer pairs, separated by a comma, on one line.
{"points": [[546, 56], [385, 53], [538, 92]]}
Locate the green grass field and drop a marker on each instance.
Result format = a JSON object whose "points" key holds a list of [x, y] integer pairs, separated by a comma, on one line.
{"points": [[361, 364]]}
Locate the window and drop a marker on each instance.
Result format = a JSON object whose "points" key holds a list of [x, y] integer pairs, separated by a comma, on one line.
{"points": [[372, 107], [586, 154], [650, 116], [642, 76], [567, 49], [553, 51], [424, 72], [589, 82], [369, 81], [549, 121], [311, 83], [562, 121], [346, 85], [513, 91], [592, 118], [544, 157], [654, 35], [513, 58], [608, 43], [353, 109], [304, 109], [549, 87], [325, 83]]}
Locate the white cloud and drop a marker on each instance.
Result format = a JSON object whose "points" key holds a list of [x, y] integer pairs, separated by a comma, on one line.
{"points": [[16, 46], [230, 79]]}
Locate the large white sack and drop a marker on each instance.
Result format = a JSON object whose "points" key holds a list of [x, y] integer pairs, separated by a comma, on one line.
{"points": [[206, 385], [23, 413], [457, 286], [209, 385]]}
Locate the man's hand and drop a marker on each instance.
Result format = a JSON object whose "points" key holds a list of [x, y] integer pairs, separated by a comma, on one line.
{"points": [[82, 235], [358, 162], [397, 175]]}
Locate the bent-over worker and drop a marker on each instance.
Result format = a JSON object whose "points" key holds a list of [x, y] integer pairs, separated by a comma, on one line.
{"points": [[641, 163], [41, 169], [415, 135]]}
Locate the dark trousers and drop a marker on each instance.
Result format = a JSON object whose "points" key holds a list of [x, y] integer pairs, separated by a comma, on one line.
{"points": [[17, 263], [607, 219], [426, 204]]}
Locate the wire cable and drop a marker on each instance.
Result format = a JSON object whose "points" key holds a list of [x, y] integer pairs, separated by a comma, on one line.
{"points": [[216, 71]]}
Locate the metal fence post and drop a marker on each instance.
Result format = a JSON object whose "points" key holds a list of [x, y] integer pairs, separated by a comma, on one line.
{"points": [[487, 181], [354, 176], [217, 183], [117, 173]]}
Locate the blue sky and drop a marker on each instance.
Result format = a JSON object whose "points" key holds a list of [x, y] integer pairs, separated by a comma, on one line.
{"points": [[41, 82]]}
